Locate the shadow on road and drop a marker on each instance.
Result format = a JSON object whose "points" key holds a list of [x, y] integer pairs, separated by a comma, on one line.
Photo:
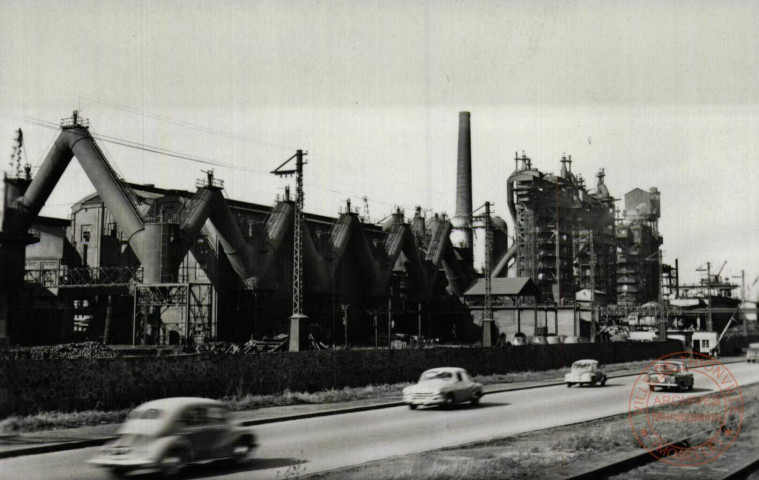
{"points": [[227, 468], [674, 390], [462, 406]]}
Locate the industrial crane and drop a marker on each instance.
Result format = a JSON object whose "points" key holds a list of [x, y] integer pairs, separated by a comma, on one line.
{"points": [[720, 270]]}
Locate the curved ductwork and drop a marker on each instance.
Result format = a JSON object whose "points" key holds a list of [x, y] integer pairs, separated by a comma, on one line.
{"points": [[503, 262], [197, 212], [238, 251], [341, 235], [401, 239], [77, 142], [441, 253]]}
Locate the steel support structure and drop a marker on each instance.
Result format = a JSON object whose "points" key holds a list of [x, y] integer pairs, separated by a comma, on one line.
{"points": [[194, 300]]}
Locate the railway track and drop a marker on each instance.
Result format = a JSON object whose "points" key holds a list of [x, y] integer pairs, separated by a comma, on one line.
{"points": [[740, 462]]}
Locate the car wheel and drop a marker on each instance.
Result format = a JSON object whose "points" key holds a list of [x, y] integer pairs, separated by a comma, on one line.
{"points": [[118, 472], [449, 400], [412, 406], [475, 399], [173, 462], [690, 387], [651, 387], [241, 449], [603, 382], [569, 384]]}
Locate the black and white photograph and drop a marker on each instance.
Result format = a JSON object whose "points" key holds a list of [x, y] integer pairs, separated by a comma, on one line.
{"points": [[379, 239]]}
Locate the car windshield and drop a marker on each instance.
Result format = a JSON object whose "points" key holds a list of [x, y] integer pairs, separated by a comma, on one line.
{"points": [[436, 375], [667, 367], [583, 366], [145, 414]]}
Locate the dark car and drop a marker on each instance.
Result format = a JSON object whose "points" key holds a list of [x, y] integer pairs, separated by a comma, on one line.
{"points": [[670, 374], [168, 434]]}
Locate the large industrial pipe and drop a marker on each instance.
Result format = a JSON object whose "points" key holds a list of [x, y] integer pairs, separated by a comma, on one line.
{"points": [[200, 210], [317, 271], [417, 272], [279, 224], [503, 262], [452, 270], [235, 246], [341, 235], [78, 142], [462, 235], [400, 239], [442, 253]]}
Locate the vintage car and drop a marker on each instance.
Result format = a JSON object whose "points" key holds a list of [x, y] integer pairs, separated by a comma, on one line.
{"points": [[752, 353], [168, 434], [669, 374], [585, 372], [443, 386]]}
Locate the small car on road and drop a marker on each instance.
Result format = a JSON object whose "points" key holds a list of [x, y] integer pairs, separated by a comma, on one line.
{"points": [[585, 372], [443, 386], [752, 353], [167, 434], [669, 374]]}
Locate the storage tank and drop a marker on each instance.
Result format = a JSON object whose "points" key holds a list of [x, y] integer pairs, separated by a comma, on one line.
{"points": [[155, 262]]}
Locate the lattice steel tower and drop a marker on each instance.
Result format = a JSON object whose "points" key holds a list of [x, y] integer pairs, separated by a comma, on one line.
{"points": [[297, 315]]}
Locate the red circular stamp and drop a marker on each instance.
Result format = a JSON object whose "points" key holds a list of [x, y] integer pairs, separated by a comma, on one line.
{"points": [[686, 409]]}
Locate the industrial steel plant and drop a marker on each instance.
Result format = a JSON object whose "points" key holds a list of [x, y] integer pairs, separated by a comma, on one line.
{"points": [[142, 265]]}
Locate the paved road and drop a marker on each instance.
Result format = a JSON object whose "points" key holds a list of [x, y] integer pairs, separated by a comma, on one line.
{"points": [[318, 444]]}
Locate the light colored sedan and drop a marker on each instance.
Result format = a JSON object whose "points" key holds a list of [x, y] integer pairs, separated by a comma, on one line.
{"points": [[443, 386], [168, 434], [752, 353], [585, 372]]}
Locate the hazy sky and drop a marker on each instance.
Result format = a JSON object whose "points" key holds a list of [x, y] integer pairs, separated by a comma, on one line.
{"points": [[658, 93]]}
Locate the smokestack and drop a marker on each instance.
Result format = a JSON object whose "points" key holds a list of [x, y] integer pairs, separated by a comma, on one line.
{"points": [[462, 235]]}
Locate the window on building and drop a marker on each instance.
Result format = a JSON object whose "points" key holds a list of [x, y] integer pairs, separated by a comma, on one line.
{"points": [[704, 344], [86, 231], [113, 230]]}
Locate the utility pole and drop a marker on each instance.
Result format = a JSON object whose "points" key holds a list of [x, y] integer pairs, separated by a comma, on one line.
{"points": [[592, 290], [709, 324], [297, 318], [345, 307], [487, 317], [107, 332], [419, 321], [743, 301], [390, 319], [663, 319]]}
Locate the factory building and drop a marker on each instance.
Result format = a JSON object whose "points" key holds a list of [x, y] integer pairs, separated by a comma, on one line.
{"points": [[145, 265], [564, 234], [639, 267], [140, 264]]}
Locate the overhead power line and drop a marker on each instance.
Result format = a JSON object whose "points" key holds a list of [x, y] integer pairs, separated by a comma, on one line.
{"points": [[183, 156], [185, 124]]}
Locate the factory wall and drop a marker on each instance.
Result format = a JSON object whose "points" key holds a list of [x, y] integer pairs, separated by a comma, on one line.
{"points": [[76, 384], [99, 242], [53, 248]]}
